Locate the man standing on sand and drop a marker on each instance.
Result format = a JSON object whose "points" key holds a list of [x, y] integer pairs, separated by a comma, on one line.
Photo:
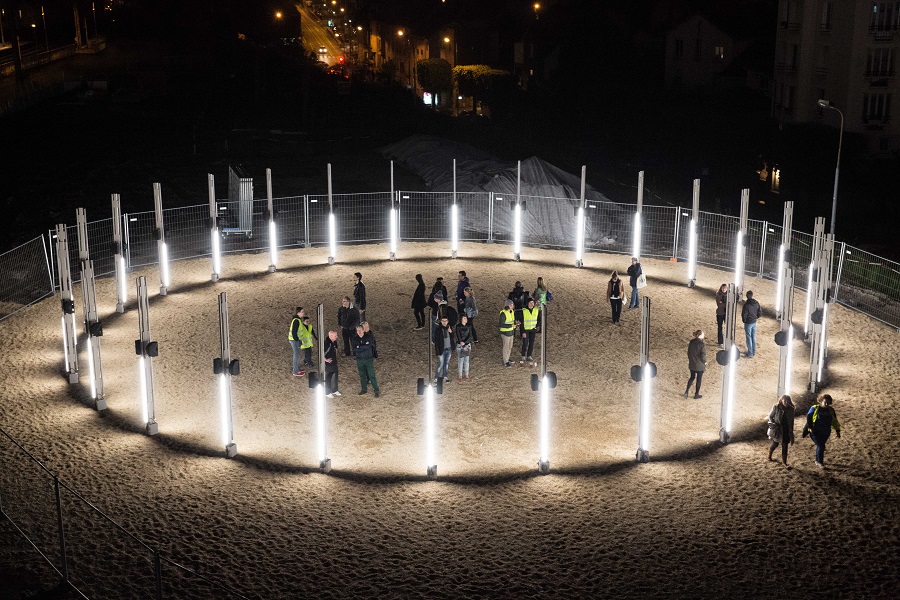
{"points": [[634, 271], [507, 324], [749, 315], [461, 284], [294, 339], [531, 322], [365, 354], [348, 319], [359, 295], [331, 365], [696, 363], [721, 309]]}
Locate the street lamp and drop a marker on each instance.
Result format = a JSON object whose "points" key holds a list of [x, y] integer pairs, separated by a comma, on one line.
{"points": [[837, 167], [537, 7]]}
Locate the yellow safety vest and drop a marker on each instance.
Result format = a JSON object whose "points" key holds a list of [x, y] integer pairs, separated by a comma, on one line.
{"points": [[529, 318], [306, 338], [291, 330], [510, 321]]}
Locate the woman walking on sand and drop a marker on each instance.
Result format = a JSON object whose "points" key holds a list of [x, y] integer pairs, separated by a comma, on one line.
{"points": [[615, 293], [418, 303], [721, 301], [781, 426]]}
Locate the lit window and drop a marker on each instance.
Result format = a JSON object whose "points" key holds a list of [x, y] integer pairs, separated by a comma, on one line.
{"points": [[720, 52]]}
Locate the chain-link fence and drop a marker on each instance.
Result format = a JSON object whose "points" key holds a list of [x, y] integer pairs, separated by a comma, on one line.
{"points": [[24, 276]]}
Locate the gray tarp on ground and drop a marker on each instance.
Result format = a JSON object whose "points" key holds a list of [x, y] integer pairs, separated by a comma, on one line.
{"points": [[431, 158]]}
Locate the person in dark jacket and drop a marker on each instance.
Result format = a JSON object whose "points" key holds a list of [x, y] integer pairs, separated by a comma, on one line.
{"points": [[331, 365], [364, 350], [464, 339], [348, 319], [696, 362], [749, 315], [359, 295], [294, 339], [721, 299], [443, 348], [781, 426], [461, 285], [418, 303], [518, 296], [615, 293], [470, 309], [634, 271], [820, 420], [437, 287]]}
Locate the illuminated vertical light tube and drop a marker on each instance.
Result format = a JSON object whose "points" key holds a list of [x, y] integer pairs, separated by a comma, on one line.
{"points": [[517, 230], [729, 409], [822, 342], [809, 293], [454, 229], [393, 229], [545, 421], [145, 413], [273, 243], [90, 350], [636, 238], [790, 359], [332, 237], [779, 293], [645, 408], [429, 429], [65, 339], [224, 414], [217, 253], [123, 294], [579, 237], [739, 260], [164, 263], [692, 251], [320, 422]]}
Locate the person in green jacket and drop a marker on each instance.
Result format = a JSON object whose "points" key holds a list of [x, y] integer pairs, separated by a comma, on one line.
{"points": [[294, 340]]}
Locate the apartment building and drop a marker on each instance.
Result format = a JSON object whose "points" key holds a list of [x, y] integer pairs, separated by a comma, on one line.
{"points": [[843, 51]]}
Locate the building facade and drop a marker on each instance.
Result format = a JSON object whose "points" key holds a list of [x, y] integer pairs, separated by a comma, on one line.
{"points": [[843, 51], [698, 51]]}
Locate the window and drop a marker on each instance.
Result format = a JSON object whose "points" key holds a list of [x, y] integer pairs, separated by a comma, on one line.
{"points": [[825, 24], [880, 62], [679, 48], [885, 16], [876, 107], [720, 52]]}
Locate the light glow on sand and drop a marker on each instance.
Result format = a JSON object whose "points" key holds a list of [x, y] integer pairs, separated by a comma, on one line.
{"points": [[579, 236], [822, 342], [692, 251], [729, 407], [332, 236], [90, 353], [429, 427], [545, 421], [164, 264], [808, 299], [393, 229], [145, 411], [216, 252], [320, 421], [273, 243], [779, 293], [517, 230], [646, 377], [454, 228], [636, 236]]}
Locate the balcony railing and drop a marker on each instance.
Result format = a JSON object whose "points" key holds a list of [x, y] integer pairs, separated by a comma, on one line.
{"points": [[791, 25], [821, 71], [883, 32], [875, 121], [825, 27], [879, 73]]}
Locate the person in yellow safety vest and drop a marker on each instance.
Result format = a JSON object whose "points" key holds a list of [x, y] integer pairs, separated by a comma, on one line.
{"points": [[307, 334], [531, 320], [507, 324], [294, 339]]}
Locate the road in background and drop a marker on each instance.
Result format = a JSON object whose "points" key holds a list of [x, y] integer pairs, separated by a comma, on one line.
{"points": [[316, 36]]}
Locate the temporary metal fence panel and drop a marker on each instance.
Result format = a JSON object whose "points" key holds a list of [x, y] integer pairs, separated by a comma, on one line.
{"points": [[658, 230], [609, 226], [141, 239], [474, 216], [753, 248], [549, 222], [290, 214], [187, 232], [717, 240], [869, 284], [100, 238], [24, 276], [502, 212], [769, 266], [426, 215], [240, 197], [359, 217]]}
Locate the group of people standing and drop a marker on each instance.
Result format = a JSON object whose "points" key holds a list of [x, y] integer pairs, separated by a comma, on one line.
{"points": [[522, 311], [615, 289], [358, 342], [821, 419], [452, 325]]}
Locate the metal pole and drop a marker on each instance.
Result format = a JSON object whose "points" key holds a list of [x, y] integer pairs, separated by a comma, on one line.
{"points": [[324, 461], [62, 531], [490, 239], [93, 329], [307, 243], [67, 299], [762, 250], [693, 238], [126, 234], [214, 238], [643, 451], [157, 568], [728, 373], [636, 232], [740, 249], [677, 229], [119, 259], [47, 262], [161, 241], [517, 214], [148, 410], [837, 279], [273, 234], [785, 259], [837, 171], [454, 219], [785, 352], [225, 382], [394, 225], [332, 227], [580, 221]]}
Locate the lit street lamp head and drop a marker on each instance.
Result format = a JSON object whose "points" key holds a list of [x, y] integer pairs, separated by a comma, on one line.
{"points": [[826, 103]]}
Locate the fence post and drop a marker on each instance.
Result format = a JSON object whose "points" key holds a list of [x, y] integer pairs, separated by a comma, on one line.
{"points": [[490, 239], [157, 568], [306, 243], [127, 235], [837, 278], [62, 533], [677, 226], [47, 260], [399, 212], [762, 250]]}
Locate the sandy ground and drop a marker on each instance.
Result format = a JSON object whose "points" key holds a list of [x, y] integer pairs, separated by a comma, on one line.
{"points": [[699, 520]]}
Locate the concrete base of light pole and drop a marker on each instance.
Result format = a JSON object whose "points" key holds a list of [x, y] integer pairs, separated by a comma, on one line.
{"points": [[453, 254], [516, 257], [330, 260], [73, 377], [724, 437], [543, 466], [163, 290], [642, 455], [271, 268], [152, 428], [579, 264], [432, 472], [692, 283], [393, 256], [120, 307], [214, 277], [325, 466], [231, 450], [100, 404]]}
